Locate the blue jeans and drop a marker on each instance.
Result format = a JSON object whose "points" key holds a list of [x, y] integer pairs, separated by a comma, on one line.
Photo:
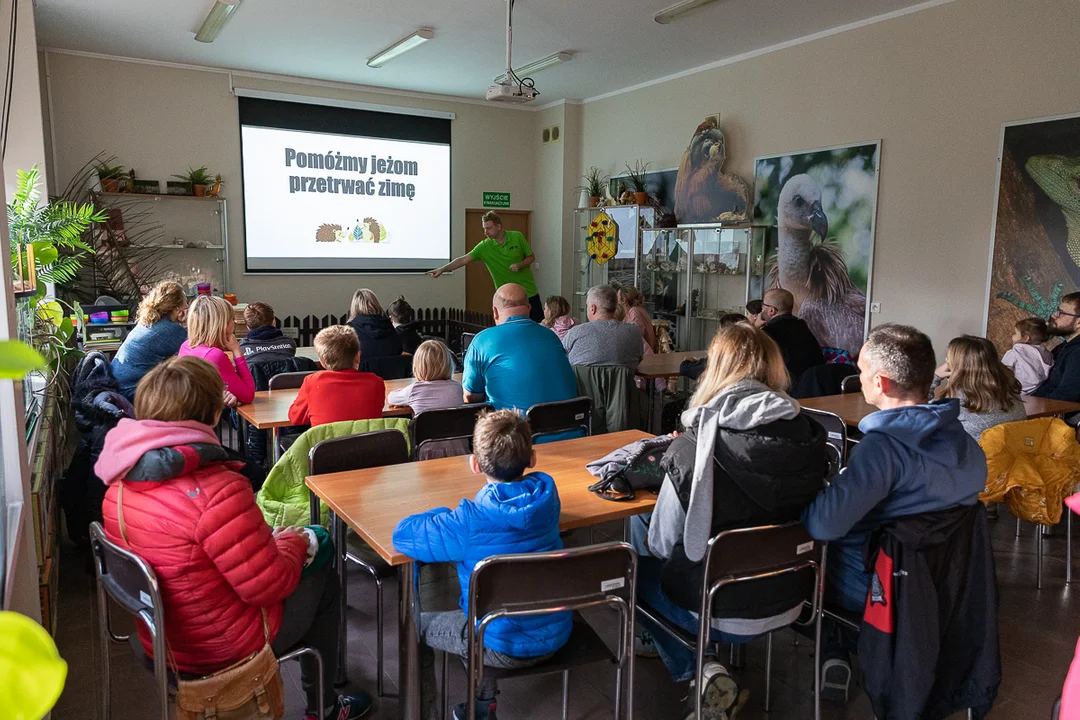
{"points": [[680, 661]]}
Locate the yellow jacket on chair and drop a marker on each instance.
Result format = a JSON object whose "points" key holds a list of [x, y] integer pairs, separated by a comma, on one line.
{"points": [[1032, 465]]}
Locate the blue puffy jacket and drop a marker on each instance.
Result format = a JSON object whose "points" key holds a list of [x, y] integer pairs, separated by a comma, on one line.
{"points": [[513, 517]]}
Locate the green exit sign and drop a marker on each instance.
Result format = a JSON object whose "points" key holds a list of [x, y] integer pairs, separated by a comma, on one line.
{"points": [[496, 199]]}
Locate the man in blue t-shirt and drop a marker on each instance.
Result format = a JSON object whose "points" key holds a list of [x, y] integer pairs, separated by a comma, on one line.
{"points": [[517, 363]]}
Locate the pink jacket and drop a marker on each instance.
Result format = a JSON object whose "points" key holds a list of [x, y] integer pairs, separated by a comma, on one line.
{"points": [[1070, 694], [562, 325], [131, 439], [1030, 363], [236, 375]]}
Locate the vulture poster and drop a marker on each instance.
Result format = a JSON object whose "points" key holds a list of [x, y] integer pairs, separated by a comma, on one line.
{"points": [[1036, 245], [819, 208]]}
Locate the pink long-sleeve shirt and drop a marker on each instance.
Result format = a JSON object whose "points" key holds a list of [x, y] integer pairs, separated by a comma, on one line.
{"points": [[237, 377]]}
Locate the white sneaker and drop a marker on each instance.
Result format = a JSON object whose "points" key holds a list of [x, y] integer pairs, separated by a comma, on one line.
{"points": [[720, 694]]}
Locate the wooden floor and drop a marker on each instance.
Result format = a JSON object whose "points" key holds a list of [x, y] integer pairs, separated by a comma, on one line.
{"points": [[1039, 630]]}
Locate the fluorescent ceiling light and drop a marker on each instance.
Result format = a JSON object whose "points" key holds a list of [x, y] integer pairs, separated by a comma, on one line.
{"points": [[527, 70], [216, 19], [677, 10], [404, 45]]}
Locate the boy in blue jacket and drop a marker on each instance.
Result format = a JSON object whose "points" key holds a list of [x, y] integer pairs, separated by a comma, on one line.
{"points": [[914, 458], [512, 513]]}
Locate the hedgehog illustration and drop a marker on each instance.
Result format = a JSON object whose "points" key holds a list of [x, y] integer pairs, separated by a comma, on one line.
{"points": [[327, 233], [374, 229]]}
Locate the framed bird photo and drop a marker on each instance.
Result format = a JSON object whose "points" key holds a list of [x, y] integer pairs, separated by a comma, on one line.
{"points": [[817, 210]]}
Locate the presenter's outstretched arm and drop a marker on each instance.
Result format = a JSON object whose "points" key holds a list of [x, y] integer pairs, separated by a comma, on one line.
{"points": [[451, 266], [518, 267]]}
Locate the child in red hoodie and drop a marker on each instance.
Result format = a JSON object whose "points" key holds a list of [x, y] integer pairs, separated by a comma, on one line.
{"points": [[175, 501], [340, 392]]}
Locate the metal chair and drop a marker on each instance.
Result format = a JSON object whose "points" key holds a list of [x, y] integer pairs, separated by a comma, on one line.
{"points": [[851, 384], [746, 555], [288, 381], [131, 583], [552, 418], [836, 432], [507, 586], [355, 452], [442, 424]]}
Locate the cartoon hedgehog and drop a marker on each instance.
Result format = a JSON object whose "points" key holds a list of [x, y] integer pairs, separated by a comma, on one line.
{"points": [[327, 233], [374, 229]]}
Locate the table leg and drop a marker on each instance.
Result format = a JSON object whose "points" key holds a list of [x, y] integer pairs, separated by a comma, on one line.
{"points": [[337, 532], [409, 644], [276, 450], [313, 505]]}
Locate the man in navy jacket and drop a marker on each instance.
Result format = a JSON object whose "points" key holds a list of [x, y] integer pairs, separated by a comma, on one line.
{"points": [[914, 458], [1063, 383]]}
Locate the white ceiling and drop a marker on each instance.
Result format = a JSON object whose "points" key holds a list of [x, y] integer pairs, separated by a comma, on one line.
{"points": [[615, 43]]}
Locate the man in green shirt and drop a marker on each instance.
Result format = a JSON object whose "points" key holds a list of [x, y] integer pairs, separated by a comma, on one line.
{"points": [[507, 255]]}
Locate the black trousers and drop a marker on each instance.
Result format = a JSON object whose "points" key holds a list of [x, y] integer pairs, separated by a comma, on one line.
{"points": [[536, 309]]}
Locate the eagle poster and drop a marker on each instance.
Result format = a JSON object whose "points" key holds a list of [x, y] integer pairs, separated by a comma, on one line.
{"points": [[1035, 257], [818, 209]]}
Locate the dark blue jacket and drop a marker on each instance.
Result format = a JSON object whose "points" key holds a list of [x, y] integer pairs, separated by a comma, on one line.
{"points": [[1063, 382], [513, 517], [911, 460]]}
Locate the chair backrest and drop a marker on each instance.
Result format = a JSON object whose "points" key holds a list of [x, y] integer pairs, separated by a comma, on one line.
{"points": [[126, 578], [391, 367], [851, 384], [613, 394], [355, 452], [288, 381], [757, 553], [466, 341], [561, 416], [455, 423], [559, 580], [836, 433]]}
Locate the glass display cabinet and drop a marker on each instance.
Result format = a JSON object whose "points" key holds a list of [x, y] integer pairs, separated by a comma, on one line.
{"points": [[718, 279], [623, 267]]}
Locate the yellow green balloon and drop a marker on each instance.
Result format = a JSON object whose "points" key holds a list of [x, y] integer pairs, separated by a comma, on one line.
{"points": [[32, 673]]}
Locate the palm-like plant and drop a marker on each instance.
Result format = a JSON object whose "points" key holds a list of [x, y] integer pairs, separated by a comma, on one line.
{"points": [[54, 230]]}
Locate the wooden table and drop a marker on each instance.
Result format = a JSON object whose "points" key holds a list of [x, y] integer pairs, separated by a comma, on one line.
{"points": [[852, 408], [662, 365], [270, 409], [372, 502]]}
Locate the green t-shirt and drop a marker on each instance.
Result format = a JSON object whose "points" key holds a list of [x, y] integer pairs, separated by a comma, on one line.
{"points": [[499, 258]]}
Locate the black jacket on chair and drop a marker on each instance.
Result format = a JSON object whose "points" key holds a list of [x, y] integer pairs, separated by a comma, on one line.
{"points": [[929, 640], [764, 475], [378, 338], [801, 350], [822, 380]]}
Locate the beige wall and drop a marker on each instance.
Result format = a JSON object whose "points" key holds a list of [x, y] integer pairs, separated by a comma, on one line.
{"points": [[26, 137], [934, 85], [160, 120]]}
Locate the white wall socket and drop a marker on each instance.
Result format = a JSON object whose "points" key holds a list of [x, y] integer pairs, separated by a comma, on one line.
{"points": [[875, 307]]}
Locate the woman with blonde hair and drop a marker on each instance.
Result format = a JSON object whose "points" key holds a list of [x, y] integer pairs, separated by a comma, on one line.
{"points": [[378, 338], [158, 334], [988, 392], [748, 457], [632, 304], [211, 336]]}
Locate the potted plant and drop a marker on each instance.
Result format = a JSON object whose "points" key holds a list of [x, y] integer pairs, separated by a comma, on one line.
{"points": [[636, 176], [110, 177], [594, 185], [199, 178]]}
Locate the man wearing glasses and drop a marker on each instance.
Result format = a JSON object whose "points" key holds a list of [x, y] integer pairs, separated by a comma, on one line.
{"points": [[1063, 382]]}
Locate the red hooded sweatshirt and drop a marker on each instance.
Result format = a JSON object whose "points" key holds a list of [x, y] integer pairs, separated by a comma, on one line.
{"points": [[194, 520]]}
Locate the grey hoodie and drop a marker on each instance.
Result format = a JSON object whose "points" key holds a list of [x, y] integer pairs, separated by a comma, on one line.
{"points": [[742, 406]]}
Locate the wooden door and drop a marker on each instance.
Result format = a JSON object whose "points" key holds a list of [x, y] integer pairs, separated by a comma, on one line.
{"points": [[478, 285]]}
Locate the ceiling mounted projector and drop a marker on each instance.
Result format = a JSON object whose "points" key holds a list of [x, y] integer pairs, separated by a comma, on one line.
{"points": [[512, 88]]}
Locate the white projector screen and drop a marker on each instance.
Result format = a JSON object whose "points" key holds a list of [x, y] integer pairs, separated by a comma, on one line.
{"points": [[351, 200]]}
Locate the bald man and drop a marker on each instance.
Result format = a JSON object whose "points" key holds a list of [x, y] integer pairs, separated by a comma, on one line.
{"points": [[518, 363], [801, 350]]}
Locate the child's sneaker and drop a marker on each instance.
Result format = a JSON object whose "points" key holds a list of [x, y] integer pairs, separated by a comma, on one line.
{"points": [[721, 698], [485, 710], [644, 646], [347, 707]]}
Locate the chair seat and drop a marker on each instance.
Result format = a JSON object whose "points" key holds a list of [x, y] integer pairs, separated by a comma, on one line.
{"points": [[583, 648], [852, 620]]}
